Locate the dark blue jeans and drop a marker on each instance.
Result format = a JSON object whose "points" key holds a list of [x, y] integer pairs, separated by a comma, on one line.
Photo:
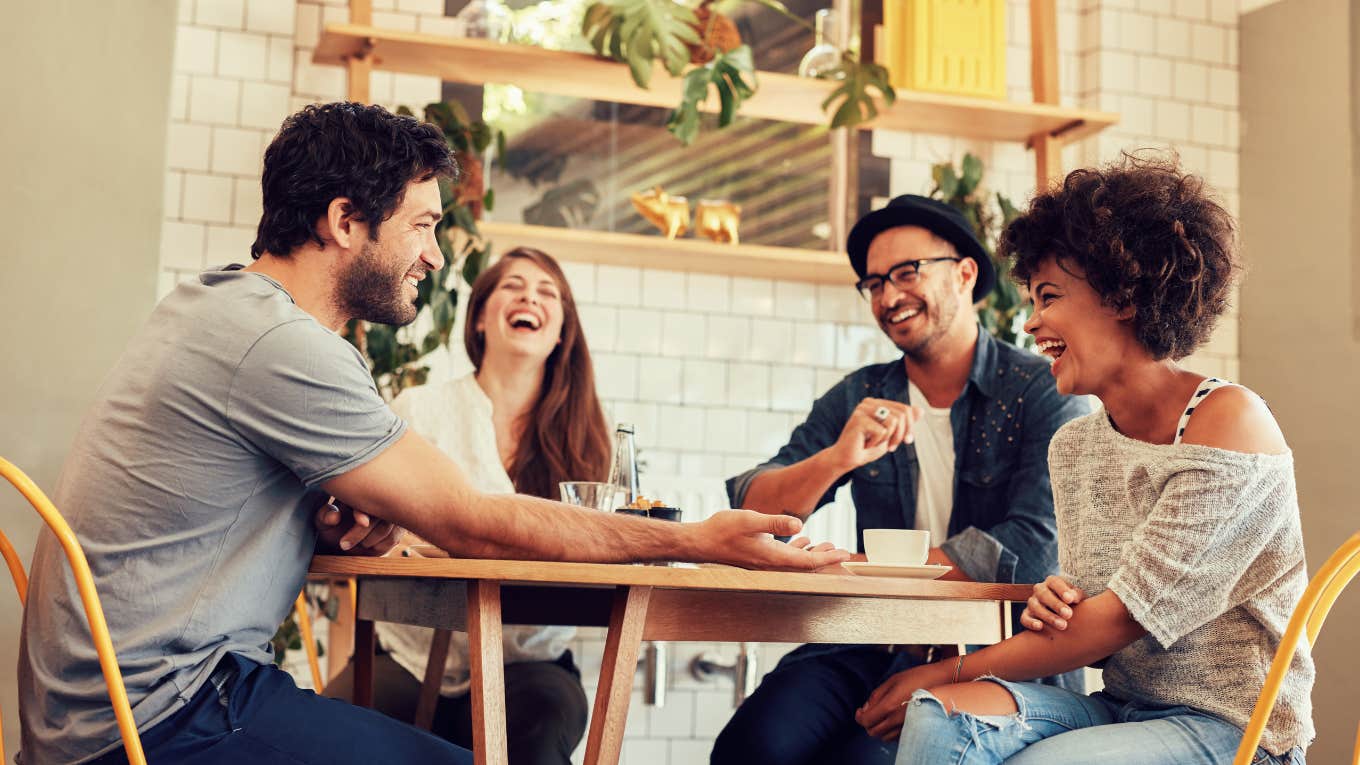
{"points": [[253, 713], [803, 713]]}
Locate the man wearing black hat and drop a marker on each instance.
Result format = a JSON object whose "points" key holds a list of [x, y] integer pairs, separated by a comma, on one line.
{"points": [[952, 439]]}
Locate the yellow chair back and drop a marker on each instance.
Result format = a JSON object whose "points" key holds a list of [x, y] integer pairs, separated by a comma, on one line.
{"points": [[1307, 619], [303, 617], [16, 570], [108, 661]]}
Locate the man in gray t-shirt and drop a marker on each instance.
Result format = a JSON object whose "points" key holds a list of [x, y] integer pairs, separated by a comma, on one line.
{"points": [[223, 430], [192, 484]]}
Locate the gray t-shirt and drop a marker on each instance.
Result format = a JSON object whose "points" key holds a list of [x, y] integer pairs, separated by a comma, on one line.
{"points": [[1204, 548], [191, 484]]}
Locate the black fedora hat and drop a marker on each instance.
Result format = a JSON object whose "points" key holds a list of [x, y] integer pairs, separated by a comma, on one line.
{"points": [[933, 215]]}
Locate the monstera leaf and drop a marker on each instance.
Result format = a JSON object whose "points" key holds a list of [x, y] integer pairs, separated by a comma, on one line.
{"points": [[856, 103], [724, 73], [637, 32]]}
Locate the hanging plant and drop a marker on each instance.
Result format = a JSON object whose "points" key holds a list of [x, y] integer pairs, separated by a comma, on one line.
{"points": [[856, 104], [637, 32], [393, 353], [724, 73], [640, 32], [1003, 311]]}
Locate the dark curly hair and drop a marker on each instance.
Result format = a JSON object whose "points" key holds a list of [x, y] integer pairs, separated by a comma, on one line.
{"points": [[1144, 235], [363, 153]]}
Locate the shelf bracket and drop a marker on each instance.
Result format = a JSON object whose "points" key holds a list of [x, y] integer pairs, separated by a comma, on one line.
{"points": [[359, 69], [1047, 160]]}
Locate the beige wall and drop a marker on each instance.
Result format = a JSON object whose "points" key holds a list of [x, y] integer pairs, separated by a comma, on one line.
{"points": [[1355, 172], [87, 88], [1298, 194]]}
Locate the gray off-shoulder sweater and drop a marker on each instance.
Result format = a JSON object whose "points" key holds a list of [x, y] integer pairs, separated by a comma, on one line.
{"points": [[1203, 546]]}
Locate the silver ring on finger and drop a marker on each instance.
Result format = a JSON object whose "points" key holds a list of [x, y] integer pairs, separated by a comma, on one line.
{"points": [[881, 413]]}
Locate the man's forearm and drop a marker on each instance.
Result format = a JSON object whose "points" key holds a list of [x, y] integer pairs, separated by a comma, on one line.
{"points": [[417, 487], [795, 489], [515, 526]]}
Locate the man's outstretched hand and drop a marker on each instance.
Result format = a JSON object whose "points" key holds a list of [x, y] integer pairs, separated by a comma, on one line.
{"points": [[747, 538]]}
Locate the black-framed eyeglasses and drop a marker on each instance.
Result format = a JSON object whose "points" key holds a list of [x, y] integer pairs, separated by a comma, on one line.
{"points": [[902, 275]]}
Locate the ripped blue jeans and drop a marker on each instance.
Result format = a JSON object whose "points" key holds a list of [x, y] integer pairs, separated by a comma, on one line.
{"points": [[1058, 727]]}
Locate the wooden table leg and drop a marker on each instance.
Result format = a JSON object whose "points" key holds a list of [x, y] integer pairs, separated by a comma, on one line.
{"points": [[434, 678], [617, 668], [488, 673], [363, 662]]}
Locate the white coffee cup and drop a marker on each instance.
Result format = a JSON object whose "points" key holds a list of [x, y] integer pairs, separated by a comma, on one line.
{"points": [[897, 547]]}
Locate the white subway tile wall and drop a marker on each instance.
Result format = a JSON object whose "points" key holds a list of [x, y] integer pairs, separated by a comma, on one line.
{"points": [[714, 371]]}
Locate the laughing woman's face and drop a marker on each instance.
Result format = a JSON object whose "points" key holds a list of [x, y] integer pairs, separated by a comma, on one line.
{"points": [[523, 316], [1088, 341]]}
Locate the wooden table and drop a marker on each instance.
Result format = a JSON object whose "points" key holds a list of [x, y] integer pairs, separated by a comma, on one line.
{"points": [[637, 603]]}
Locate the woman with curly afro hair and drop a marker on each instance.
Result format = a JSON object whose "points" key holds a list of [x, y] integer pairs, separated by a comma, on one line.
{"points": [[1178, 522]]}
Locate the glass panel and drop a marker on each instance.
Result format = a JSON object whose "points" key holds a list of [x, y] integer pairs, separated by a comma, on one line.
{"points": [[577, 163]]}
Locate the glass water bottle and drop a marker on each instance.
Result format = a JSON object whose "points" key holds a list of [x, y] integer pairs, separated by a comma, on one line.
{"points": [[624, 474], [824, 58]]}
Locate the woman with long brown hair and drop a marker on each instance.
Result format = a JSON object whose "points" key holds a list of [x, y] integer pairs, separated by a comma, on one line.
{"points": [[525, 419]]}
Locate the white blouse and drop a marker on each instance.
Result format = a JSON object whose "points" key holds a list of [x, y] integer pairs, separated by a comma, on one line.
{"points": [[456, 417]]}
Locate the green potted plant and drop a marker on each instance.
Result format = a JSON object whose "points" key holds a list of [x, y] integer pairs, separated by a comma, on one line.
{"points": [[641, 32], [1003, 311]]}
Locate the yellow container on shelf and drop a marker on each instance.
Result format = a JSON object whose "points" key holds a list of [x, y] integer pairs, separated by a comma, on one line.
{"points": [[946, 46]]}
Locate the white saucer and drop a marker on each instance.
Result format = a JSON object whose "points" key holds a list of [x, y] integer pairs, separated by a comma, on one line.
{"points": [[897, 569]]}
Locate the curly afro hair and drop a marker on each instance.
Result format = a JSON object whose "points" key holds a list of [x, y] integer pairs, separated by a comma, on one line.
{"points": [[363, 153], [1144, 235]]}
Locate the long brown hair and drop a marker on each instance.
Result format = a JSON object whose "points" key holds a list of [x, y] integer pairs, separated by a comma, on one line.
{"points": [[565, 437]]}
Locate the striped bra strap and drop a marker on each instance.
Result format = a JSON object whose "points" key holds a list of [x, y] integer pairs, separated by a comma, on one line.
{"points": [[1209, 385]]}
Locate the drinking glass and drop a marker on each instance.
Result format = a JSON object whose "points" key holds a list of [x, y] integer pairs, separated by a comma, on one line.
{"points": [[594, 494]]}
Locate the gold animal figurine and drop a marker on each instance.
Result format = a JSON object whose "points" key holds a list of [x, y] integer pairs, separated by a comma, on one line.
{"points": [[717, 219], [668, 213]]}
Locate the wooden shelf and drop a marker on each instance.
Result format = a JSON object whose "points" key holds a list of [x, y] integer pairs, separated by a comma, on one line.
{"points": [[684, 254], [779, 96]]}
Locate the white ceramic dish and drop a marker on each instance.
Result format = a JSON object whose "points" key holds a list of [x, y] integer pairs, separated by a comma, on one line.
{"points": [[901, 571]]}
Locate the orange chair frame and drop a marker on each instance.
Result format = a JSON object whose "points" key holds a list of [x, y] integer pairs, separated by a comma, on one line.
{"points": [[99, 629], [303, 616], [1322, 591]]}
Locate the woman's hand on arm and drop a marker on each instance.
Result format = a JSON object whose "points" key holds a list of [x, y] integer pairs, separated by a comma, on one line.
{"points": [[1098, 627], [1051, 604]]}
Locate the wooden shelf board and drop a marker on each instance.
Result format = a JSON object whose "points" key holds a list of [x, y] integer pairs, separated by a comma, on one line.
{"points": [[684, 254], [780, 96]]}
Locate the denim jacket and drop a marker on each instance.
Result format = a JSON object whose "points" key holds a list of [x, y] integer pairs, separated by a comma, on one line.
{"points": [[1002, 527]]}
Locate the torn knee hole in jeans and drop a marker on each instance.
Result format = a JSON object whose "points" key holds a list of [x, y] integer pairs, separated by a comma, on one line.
{"points": [[976, 723]]}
